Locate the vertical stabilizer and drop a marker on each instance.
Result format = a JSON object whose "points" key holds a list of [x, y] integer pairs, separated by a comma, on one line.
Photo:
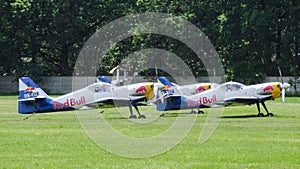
{"points": [[32, 98], [103, 79]]}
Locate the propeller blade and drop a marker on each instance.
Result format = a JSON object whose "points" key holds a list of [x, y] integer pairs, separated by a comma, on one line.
{"points": [[283, 95], [160, 95], [280, 74]]}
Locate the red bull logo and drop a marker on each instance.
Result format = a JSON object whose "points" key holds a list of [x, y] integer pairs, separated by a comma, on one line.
{"points": [[167, 89], [268, 89], [203, 88], [200, 89], [69, 103], [30, 89], [140, 90], [30, 92]]}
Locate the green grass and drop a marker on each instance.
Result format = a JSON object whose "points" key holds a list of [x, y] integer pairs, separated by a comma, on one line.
{"points": [[56, 140]]}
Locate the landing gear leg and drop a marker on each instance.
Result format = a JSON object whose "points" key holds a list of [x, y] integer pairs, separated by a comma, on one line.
{"points": [[259, 112], [265, 107], [137, 110], [193, 112], [200, 111], [132, 116]]}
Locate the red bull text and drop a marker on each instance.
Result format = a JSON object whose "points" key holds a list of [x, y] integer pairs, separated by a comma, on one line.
{"points": [[202, 100], [206, 100], [69, 103]]}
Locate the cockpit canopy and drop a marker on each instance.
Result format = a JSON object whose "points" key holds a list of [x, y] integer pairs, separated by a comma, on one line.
{"points": [[232, 86], [100, 87]]}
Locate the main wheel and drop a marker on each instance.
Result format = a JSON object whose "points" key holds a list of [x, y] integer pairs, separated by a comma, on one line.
{"points": [[200, 112], [260, 115], [142, 116], [193, 112], [132, 116]]}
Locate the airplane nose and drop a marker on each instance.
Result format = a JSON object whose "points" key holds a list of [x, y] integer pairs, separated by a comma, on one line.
{"points": [[285, 85]]}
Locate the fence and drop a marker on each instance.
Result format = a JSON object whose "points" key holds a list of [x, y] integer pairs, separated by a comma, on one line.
{"points": [[66, 84]]}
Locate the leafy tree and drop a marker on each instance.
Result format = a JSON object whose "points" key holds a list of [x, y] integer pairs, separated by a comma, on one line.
{"points": [[253, 38]]}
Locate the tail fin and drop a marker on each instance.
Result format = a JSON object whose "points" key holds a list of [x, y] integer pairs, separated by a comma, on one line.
{"points": [[168, 88], [103, 79], [165, 81], [29, 89], [29, 93]]}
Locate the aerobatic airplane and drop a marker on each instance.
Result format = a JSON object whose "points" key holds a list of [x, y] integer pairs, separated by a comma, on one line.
{"points": [[32, 99], [185, 89], [226, 94]]}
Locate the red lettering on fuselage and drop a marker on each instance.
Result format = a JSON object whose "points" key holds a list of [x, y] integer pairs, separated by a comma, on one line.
{"points": [[69, 103], [191, 103], [206, 100], [202, 100]]}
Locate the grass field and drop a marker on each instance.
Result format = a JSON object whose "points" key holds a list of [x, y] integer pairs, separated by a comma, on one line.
{"points": [[241, 140]]}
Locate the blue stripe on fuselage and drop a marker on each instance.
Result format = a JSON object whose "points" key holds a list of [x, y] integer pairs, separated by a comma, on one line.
{"points": [[39, 106], [178, 103]]}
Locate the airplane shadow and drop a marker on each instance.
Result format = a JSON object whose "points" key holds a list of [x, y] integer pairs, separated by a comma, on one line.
{"points": [[225, 117], [242, 116], [177, 114]]}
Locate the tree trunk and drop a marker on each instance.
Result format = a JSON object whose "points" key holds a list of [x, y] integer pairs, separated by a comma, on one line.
{"points": [[64, 61]]}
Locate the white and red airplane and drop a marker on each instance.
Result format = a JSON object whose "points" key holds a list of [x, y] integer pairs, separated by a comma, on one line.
{"points": [[32, 99], [185, 89], [226, 94]]}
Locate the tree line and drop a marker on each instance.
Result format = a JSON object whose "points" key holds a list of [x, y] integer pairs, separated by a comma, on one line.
{"points": [[252, 38]]}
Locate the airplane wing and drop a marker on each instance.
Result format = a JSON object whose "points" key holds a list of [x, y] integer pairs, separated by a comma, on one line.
{"points": [[135, 99], [237, 101], [110, 99], [165, 96]]}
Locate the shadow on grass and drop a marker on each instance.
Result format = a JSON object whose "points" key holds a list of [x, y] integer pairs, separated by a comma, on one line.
{"points": [[177, 114], [244, 116]]}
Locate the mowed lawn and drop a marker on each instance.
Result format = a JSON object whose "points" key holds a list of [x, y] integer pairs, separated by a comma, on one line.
{"points": [[241, 140]]}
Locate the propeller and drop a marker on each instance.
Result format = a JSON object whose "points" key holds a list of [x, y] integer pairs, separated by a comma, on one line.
{"points": [[283, 86], [283, 95], [160, 96]]}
